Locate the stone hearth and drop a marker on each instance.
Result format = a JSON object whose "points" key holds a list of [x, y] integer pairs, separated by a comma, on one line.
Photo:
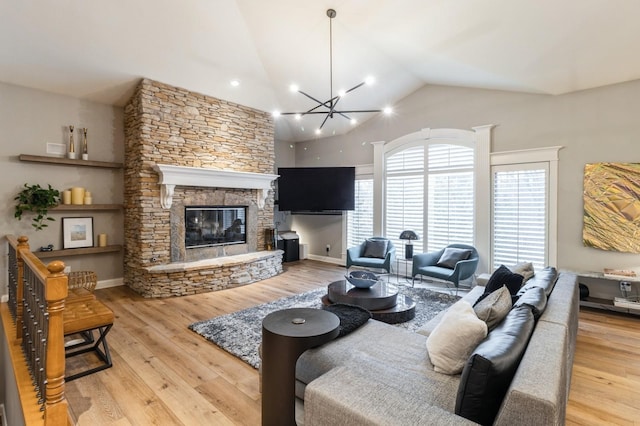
{"points": [[169, 129]]}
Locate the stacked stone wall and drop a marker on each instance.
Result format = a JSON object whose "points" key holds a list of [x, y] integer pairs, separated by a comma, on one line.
{"points": [[171, 125]]}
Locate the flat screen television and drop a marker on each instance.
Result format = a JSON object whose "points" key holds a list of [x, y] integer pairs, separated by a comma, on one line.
{"points": [[316, 189]]}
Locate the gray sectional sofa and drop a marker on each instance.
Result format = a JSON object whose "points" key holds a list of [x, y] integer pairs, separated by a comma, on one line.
{"points": [[381, 374]]}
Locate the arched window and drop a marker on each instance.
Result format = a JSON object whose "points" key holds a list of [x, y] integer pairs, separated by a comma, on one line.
{"points": [[429, 188]]}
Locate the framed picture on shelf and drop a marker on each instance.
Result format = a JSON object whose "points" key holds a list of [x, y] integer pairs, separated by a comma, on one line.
{"points": [[77, 232]]}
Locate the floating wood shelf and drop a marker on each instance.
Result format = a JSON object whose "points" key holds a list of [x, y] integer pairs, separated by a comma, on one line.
{"points": [[85, 207], [77, 251], [68, 161]]}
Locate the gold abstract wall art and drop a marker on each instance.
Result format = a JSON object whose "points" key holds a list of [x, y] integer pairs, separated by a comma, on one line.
{"points": [[612, 206]]}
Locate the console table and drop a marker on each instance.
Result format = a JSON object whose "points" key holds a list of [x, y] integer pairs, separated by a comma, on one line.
{"points": [[604, 288], [286, 334]]}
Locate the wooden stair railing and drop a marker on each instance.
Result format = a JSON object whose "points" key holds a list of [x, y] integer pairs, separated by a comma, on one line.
{"points": [[37, 296]]}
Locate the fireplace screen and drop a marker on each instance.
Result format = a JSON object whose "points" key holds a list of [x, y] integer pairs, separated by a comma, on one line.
{"points": [[214, 226]]}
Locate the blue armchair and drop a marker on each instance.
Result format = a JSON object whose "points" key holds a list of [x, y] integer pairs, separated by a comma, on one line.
{"points": [[357, 256], [427, 264]]}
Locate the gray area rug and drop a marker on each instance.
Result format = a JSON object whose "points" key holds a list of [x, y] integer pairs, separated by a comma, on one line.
{"points": [[240, 333]]}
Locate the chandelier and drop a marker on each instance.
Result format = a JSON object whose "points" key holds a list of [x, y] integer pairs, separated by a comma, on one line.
{"points": [[329, 108]]}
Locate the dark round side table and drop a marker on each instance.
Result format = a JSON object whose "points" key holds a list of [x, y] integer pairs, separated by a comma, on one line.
{"points": [[286, 334]]}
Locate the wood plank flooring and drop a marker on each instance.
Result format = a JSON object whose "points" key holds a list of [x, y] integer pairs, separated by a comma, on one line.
{"points": [[165, 374]]}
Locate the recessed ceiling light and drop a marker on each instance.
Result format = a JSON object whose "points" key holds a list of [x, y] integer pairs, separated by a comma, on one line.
{"points": [[235, 83]]}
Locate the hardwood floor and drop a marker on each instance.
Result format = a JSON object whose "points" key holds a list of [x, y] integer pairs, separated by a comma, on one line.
{"points": [[165, 374], [605, 384]]}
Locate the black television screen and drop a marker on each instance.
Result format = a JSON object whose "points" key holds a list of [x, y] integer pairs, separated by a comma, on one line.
{"points": [[316, 189]]}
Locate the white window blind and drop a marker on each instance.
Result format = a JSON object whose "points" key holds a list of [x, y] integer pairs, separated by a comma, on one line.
{"points": [[404, 195], [520, 214], [360, 220], [450, 213]]}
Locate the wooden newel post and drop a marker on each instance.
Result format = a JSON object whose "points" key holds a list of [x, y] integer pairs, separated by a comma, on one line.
{"points": [[56, 290], [23, 246]]}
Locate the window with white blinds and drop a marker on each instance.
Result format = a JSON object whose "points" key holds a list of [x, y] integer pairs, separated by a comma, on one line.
{"points": [[404, 196], [520, 214], [450, 209], [446, 214], [360, 220]]}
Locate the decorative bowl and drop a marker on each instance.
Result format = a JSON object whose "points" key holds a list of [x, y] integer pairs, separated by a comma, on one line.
{"points": [[362, 279]]}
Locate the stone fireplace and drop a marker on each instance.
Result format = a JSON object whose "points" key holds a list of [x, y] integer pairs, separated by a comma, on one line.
{"points": [[185, 150]]}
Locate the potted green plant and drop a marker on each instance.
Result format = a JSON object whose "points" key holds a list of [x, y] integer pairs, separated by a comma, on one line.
{"points": [[34, 198]]}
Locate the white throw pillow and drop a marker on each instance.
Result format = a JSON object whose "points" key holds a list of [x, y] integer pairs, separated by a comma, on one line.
{"points": [[455, 337], [523, 268]]}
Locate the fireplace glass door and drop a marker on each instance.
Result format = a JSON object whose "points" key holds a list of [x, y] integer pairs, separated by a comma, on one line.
{"points": [[207, 226]]}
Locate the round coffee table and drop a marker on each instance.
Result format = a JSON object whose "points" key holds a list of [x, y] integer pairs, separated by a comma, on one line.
{"points": [[381, 299]]}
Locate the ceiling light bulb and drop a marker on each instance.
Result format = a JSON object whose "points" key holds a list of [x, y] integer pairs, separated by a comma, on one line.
{"points": [[369, 80], [294, 88], [354, 121], [235, 83], [341, 93], [298, 116], [318, 131], [276, 114], [387, 110]]}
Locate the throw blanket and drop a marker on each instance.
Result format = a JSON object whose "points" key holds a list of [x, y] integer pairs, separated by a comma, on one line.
{"points": [[351, 316]]}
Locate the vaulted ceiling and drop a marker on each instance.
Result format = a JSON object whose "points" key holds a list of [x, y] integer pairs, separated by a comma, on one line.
{"points": [[98, 50]]}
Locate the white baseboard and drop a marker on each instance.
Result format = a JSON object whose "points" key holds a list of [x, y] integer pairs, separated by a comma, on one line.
{"points": [[327, 259], [109, 283], [4, 298]]}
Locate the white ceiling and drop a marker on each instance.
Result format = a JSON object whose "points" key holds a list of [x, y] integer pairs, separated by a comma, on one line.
{"points": [[99, 49]]}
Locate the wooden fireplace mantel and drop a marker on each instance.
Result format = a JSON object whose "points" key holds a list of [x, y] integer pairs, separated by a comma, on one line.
{"points": [[170, 176]]}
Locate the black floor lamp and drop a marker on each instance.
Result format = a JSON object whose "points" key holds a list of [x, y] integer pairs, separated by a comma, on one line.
{"points": [[408, 247]]}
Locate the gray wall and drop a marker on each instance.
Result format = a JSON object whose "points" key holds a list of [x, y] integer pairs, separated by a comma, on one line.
{"points": [[31, 118], [593, 125], [597, 125]]}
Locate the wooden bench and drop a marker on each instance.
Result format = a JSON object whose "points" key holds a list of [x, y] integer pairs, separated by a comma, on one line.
{"points": [[83, 317]]}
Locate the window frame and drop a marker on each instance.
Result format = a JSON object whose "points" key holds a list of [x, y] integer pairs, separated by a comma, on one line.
{"points": [[520, 167], [549, 155]]}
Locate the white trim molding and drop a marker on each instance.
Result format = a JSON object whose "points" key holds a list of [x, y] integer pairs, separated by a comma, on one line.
{"points": [[170, 176]]}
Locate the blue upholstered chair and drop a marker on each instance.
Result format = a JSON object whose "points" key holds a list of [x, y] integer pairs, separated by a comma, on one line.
{"points": [[369, 254], [450, 269]]}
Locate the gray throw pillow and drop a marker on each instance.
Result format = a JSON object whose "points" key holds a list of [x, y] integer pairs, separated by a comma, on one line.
{"points": [[451, 256], [493, 308], [375, 248]]}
